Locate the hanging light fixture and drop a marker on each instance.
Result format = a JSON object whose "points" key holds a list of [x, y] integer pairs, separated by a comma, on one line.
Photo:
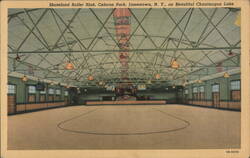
{"points": [[230, 53], [157, 76], [101, 83], [90, 78], [199, 81], [173, 86], [185, 82], [69, 66], [17, 58], [174, 64], [226, 75], [78, 90], [52, 83], [24, 78], [149, 82]]}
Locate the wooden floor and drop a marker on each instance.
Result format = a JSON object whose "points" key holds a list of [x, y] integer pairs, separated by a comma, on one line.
{"points": [[125, 127]]}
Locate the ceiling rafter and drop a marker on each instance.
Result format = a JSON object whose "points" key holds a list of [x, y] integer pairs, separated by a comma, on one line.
{"points": [[31, 30], [140, 24], [205, 28], [45, 70], [214, 27], [68, 26], [131, 50], [150, 51]]}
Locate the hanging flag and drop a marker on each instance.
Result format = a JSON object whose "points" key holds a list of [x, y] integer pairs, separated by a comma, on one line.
{"points": [[122, 19]]}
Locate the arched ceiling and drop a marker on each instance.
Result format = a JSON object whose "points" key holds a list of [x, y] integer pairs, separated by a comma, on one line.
{"points": [[201, 40]]}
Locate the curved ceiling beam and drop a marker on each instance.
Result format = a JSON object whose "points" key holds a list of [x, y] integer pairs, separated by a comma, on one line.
{"points": [[131, 50], [63, 44]]}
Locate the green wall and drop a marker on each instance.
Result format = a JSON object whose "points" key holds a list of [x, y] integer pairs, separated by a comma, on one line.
{"points": [[224, 87], [21, 89], [223, 82]]}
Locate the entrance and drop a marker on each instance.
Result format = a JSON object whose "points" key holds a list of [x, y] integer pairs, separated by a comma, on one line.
{"points": [[11, 99], [216, 99]]}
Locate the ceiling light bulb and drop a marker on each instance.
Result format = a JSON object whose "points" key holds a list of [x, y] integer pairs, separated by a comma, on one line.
{"points": [[157, 76], [90, 78], [24, 79], [69, 66], [174, 64], [226, 75]]}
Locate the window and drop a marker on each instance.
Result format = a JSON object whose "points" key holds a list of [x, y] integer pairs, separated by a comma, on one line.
{"points": [[42, 97], [202, 89], [195, 94], [51, 91], [215, 88], [31, 94], [235, 85], [66, 93], [11, 89], [58, 92], [185, 95], [51, 94], [31, 89], [201, 93], [66, 98], [195, 90], [235, 90], [186, 91]]}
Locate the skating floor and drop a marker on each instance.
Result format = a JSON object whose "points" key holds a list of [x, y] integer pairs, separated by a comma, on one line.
{"points": [[125, 127]]}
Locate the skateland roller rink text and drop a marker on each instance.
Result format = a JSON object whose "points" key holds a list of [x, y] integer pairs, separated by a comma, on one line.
{"points": [[140, 4]]}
